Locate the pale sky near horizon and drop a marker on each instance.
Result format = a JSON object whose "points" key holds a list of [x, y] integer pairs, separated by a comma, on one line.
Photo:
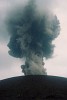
{"points": [[57, 66]]}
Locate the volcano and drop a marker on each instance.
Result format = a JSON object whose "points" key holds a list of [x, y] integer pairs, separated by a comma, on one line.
{"points": [[34, 87]]}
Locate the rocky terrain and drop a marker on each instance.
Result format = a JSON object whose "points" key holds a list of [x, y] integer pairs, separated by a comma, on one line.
{"points": [[37, 87]]}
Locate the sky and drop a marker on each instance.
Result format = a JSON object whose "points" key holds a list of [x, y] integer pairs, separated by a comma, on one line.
{"points": [[57, 65]]}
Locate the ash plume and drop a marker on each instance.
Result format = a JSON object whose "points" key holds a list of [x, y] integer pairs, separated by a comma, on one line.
{"points": [[31, 36]]}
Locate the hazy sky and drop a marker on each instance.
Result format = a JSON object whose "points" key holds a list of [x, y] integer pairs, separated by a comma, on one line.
{"points": [[57, 65]]}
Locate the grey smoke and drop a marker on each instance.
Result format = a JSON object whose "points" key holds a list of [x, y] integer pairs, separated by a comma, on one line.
{"points": [[31, 35]]}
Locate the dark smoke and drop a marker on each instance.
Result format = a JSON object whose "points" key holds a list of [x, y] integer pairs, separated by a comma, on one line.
{"points": [[31, 36]]}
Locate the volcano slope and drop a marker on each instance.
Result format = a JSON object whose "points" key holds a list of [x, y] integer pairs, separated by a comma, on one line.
{"points": [[37, 87]]}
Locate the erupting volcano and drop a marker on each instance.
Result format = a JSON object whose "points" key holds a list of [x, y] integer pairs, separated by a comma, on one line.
{"points": [[31, 35]]}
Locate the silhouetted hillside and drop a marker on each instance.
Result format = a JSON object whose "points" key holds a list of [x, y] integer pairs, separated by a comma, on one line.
{"points": [[34, 88]]}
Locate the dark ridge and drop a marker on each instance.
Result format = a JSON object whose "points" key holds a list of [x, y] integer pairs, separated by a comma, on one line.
{"points": [[37, 87]]}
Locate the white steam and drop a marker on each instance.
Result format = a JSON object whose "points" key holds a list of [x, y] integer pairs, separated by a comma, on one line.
{"points": [[34, 65]]}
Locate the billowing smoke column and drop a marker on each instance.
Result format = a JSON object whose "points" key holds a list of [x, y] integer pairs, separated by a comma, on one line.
{"points": [[31, 36]]}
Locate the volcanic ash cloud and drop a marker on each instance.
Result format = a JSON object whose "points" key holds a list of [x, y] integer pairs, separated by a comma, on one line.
{"points": [[31, 35]]}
